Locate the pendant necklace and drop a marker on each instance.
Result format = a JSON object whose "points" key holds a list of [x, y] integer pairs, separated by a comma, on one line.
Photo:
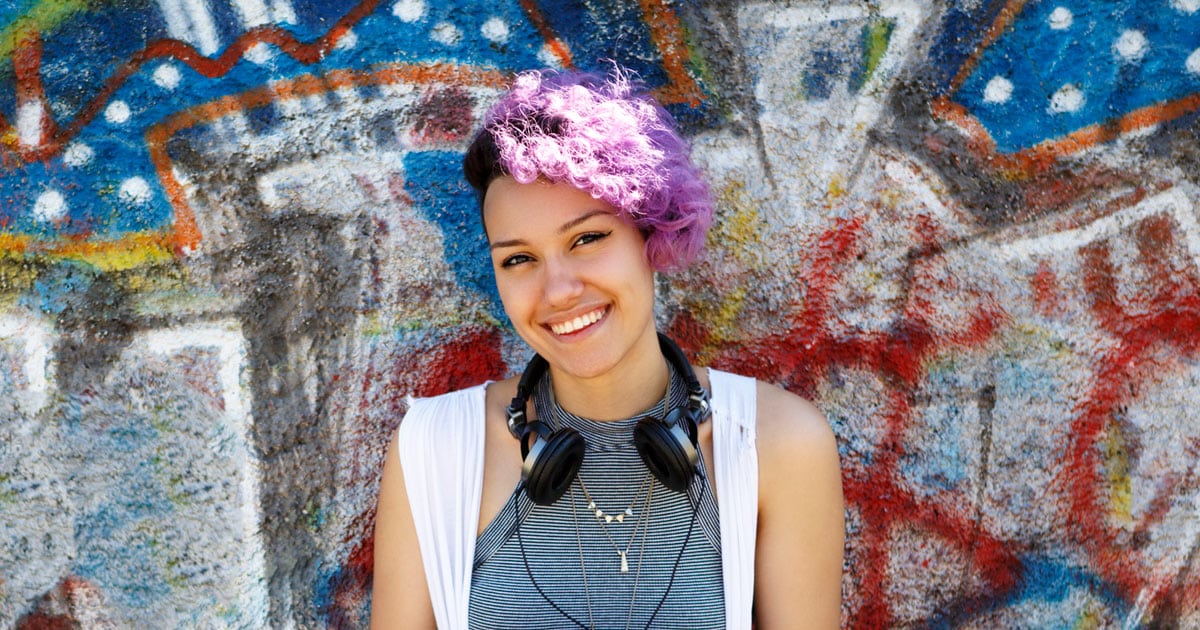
{"points": [[643, 522], [604, 519]]}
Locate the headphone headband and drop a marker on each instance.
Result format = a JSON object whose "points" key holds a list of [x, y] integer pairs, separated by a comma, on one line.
{"points": [[697, 397], [668, 446], [516, 409]]}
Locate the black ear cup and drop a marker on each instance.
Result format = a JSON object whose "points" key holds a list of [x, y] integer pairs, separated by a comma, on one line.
{"points": [[551, 464], [668, 448], [551, 459]]}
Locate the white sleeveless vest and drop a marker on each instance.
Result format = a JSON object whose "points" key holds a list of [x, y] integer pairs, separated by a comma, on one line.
{"points": [[441, 453]]}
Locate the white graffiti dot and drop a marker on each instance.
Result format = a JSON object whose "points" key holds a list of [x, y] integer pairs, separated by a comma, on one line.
{"points": [[29, 122], [260, 54], [1131, 45], [117, 112], [1066, 100], [77, 154], [135, 190], [548, 57], [347, 41], [1186, 6], [446, 33], [495, 30], [1061, 18], [409, 10], [167, 76], [998, 90], [50, 206], [1193, 62]]}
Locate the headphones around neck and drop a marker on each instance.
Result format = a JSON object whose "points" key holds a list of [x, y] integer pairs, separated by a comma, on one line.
{"points": [[668, 446]]}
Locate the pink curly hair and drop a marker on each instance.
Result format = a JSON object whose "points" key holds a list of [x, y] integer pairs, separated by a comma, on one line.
{"points": [[607, 137]]}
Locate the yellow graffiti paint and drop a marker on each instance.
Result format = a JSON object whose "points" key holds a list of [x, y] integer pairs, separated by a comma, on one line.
{"points": [[837, 187], [7, 493], [135, 254], [1089, 619], [1120, 488], [42, 17], [736, 233], [722, 316], [740, 231], [135, 250]]}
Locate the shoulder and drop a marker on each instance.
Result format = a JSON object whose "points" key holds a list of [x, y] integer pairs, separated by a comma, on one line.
{"points": [[785, 416], [801, 524], [499, 393], [788, 427], [795, 443]]}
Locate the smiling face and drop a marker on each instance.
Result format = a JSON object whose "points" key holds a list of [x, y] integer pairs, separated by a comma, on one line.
{"points": [[574, 279]]}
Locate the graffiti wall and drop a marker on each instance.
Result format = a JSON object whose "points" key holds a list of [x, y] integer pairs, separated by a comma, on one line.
{"points": [[234, 239]]}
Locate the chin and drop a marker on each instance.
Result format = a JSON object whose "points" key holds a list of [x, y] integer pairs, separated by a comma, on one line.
{"points": [[581, 367]]}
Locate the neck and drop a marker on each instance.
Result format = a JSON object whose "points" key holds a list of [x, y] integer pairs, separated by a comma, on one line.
{"points": [[638, 383]]}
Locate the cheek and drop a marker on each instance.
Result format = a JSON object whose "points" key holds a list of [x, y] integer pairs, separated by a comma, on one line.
{"points": [[512, 297]]}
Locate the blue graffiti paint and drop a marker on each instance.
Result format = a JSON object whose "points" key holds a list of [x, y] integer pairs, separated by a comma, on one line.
{"points": [[828, 66], [1068, 65], [1044, 578], [341, 612], [81, 54], [937, 464], [436, 186], [59, 288], [606, 30], [959, 36]]}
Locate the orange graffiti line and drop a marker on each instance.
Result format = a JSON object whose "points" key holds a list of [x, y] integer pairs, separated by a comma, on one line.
{"points": [[206, 66], [26, 60], [1040, 157], [11, 244], [187, 232], [667, 34], [1002, 22], [556, 45]]}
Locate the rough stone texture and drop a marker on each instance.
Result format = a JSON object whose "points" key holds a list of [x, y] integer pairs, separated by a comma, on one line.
{"points": [[234, 239]]}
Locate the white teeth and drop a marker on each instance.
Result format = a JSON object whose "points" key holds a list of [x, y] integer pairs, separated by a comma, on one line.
{"points": [[578, 323]]}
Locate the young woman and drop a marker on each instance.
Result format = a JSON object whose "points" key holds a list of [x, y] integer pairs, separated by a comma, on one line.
{"points": [[611, 485]]}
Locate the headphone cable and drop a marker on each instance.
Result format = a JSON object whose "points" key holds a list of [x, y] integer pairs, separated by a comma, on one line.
{"points": [[521, 543]]}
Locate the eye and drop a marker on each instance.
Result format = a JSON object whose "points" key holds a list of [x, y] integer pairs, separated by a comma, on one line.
{"points": [[591, 237], [514, 260]]}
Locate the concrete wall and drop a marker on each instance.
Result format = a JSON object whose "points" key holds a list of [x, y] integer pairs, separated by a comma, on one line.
{"points": [[233, 237]]}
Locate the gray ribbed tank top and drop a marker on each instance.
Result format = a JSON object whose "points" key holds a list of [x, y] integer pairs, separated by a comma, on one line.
{"points": [[503, 595]]}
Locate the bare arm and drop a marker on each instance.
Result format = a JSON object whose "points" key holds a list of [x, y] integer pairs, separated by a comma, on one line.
{"points": [[399, 596], [801, 528]]}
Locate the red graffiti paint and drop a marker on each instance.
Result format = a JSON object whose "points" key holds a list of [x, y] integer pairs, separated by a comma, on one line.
{"points": [[446, 362], [443, 115], [1166, 316], [64, 607], [804, 355], [1046, 292]]}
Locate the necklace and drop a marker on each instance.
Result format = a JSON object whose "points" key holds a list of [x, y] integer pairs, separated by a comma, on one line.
{"points": [[643, 521], [601, 515], [557, 412], [644, 524]]}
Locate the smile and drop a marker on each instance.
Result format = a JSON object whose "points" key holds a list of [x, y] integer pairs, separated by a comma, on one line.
{"points": [[579, 323]]}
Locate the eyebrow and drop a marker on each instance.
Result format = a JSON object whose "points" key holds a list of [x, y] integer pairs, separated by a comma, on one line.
{"points": [[563, 228]]}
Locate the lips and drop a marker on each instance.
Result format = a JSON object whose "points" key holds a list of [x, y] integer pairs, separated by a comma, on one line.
{"points": [[579, 323]]}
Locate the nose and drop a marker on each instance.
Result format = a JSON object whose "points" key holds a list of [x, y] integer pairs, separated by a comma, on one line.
{"points": [[563, 285]]}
